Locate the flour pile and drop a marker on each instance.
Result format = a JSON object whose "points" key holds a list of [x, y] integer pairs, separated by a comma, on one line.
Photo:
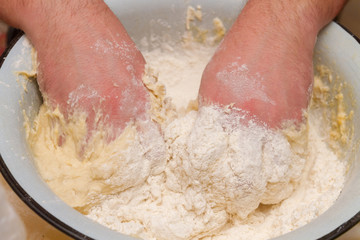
{"points": [[192, 173]]}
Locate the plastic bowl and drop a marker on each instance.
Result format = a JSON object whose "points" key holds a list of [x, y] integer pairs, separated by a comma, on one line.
{"points": [[335, 47]]}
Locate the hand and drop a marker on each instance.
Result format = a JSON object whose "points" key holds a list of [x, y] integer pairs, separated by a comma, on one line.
{"points": [[87, 61], [264, 64]]}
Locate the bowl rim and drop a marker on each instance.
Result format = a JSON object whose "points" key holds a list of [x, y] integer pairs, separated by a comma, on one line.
{"points": [[346, 226], [71, 232], [20, 192]]}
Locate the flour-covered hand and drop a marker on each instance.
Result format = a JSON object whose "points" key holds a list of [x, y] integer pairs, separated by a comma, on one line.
{"points": [[264, 64], [87, 61]]}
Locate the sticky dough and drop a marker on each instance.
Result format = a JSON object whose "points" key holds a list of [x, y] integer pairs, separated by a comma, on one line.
{"points": [[188, 173]]}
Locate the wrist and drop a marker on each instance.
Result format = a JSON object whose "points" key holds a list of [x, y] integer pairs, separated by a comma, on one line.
{"points": [[11, 12], [284, 23], [307, 17], [42, 20], [319, 12]]}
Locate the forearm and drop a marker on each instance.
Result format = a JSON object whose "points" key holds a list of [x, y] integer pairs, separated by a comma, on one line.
{"points": [[322, 11], [11, 11], [304, 15], [39, 17], [285, 26]]}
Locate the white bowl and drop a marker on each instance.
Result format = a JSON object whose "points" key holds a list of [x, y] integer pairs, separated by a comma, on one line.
{"points": [[336, 48]]}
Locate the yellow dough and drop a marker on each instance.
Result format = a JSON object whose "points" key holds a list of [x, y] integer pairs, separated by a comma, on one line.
{"points": [[188, 173]]}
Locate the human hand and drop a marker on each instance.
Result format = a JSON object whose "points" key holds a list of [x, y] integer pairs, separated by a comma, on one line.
{"points": [[264, 64], [87, 61]]}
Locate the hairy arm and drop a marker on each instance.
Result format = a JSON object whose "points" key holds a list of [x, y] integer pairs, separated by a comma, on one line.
{"points": [[11, 10], [30, 15], [87, 61], [264, 64]]}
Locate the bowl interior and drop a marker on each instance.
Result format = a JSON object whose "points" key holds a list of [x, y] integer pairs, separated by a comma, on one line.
{"points": [[335, 48]]}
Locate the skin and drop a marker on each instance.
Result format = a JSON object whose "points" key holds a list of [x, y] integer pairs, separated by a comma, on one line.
{"points": [[88, 61], [264, 64], [73, 38]]}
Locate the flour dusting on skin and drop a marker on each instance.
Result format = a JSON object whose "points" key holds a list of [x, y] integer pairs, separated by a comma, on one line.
{"points": [[81, 93], [223, 178], [121, 49], [243, 84], [192, 173]]}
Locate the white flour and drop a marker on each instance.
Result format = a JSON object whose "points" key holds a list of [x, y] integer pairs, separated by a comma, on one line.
{"points": [[180, 71], [223, 179], [205, 173]]}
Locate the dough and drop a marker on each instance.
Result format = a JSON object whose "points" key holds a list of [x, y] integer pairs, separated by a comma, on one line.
{"points": [[188, 173]]}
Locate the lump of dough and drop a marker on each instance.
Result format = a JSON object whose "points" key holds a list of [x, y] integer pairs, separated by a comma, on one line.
{"points": [[236, 165]]}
